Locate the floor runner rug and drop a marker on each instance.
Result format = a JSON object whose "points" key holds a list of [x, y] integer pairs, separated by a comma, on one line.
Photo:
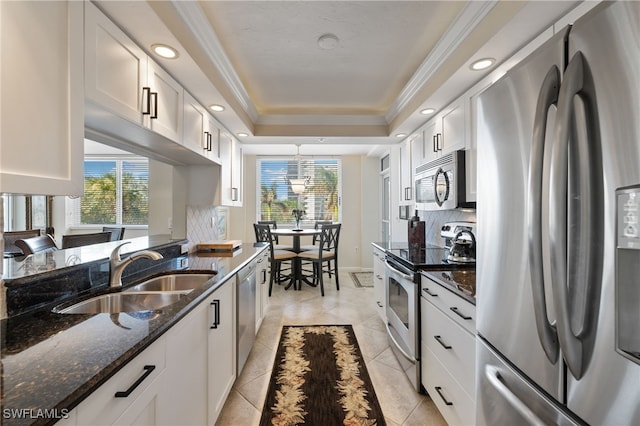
{"points": [[319, 378]]}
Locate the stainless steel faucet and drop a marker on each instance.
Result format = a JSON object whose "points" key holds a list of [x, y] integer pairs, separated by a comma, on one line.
{"points": [[117, 265]]}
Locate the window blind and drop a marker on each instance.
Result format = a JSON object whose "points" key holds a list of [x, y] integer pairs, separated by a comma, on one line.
{"points": [[320, 200]]}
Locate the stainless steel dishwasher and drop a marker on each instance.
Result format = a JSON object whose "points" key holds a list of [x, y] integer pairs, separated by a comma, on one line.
{"points": [[246, 312]]}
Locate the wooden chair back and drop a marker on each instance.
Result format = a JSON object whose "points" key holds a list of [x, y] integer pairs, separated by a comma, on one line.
{"points": [[273, 224], [36, 244], [329, 238], [78, 240]]}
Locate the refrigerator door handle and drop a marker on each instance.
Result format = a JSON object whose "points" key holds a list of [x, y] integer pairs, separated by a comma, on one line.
{"points": [[577, 194], [547, 97], [493, 376]]}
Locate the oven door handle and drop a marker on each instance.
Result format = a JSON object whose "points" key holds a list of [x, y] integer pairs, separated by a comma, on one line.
{"points": [[397, 345], [402, 274]]}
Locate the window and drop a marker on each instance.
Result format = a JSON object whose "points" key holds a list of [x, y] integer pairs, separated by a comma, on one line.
{"points": [[116, 192], [320, 199]]}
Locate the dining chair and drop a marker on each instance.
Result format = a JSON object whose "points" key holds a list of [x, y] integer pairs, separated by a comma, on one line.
{"points": [[324, 255], [117, 233], [314, 241], [10, 238], [78, 240], [274, 225], [43, 243], [276, 257]]}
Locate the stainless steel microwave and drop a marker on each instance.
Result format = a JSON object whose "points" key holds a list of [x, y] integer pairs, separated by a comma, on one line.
{"points": [[441, 183]]}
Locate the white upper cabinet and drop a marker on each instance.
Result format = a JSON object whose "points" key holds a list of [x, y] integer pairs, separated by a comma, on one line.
{"points": [[231, 170], [167, 103], [41, 92], [122, 78], [195, 137], [446, 132], [406, 173], [115, 68]]}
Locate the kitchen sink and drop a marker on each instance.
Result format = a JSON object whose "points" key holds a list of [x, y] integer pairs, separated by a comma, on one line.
{"points": [[172, 282], [114, 303]]}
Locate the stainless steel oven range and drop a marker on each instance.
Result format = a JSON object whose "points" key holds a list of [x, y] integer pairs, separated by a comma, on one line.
{"points": [[402, 288]]}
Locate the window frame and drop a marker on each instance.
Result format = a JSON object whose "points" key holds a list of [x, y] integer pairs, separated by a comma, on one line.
{"points": [[74, 206], [304, 223]]}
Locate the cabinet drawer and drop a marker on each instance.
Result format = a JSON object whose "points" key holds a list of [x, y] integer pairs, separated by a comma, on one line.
{"points": [[462, 312], [452, 344], [102, 407], [454, 404]]}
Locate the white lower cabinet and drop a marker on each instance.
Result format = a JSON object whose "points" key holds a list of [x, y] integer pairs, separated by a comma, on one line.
{"points": [[183, 378], [379, 282], [222, 347], [448, 352], [131, 395], [184, 399], [262, 287]]}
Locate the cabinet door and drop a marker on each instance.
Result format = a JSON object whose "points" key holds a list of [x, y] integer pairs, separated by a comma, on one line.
{"points": [[42, 98], [236, 173], [453, 128], [222, 347], [379, 283], [405, 173], [417, 151], [430, 141], [262, 288], [167, 100], [103, 407], [195, 125], [115, 68], [213, 133], [184, 401], [226, 172]]}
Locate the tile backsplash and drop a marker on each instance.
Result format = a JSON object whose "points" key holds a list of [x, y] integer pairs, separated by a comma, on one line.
{"points": [[205, 223], [435, 219]]}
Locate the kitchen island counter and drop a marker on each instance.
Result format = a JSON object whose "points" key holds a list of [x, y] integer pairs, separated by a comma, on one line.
{"points": [[54, 361]]}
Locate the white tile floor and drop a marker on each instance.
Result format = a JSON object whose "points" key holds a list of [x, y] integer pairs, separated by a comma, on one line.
{"points": [[400, 404]]}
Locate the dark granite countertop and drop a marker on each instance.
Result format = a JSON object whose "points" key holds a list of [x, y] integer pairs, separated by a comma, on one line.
{"points": [[54, 361], [42, 263], [460, 282]]}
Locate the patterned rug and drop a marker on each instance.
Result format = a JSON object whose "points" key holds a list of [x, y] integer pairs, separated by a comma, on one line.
{"points": [[362, 279], [319, 378]]}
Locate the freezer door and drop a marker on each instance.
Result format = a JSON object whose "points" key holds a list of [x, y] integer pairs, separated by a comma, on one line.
{"points": [[608, 41], [506, 397], [510, 292]]}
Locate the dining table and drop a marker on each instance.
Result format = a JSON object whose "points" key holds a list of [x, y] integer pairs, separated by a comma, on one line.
{"points": [[298, 277]]}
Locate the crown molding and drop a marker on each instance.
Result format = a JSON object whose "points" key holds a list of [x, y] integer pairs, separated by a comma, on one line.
{"points": [[465, 23], [195, 19]]}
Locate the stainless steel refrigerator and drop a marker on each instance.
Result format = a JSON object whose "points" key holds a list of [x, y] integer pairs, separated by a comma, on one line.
{"points": [[558, 268]]}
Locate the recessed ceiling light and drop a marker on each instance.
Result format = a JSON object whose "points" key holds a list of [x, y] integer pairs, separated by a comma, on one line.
{"points": [[482, 64], [216, 108], [164, 51], [427, 111], [328, 41], [243, 134], [401, 135]]}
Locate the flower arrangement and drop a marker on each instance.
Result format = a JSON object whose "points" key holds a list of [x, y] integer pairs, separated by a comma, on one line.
{"points": [[298, 213]]}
